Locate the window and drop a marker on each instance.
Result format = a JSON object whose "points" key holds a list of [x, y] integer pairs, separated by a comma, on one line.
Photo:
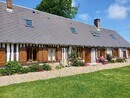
{"points": [[73, 30], [79, 53], [28, 23], [95, 34], [51, 54], [112, 36]]}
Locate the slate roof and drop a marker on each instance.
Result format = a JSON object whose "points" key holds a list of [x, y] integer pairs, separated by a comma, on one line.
{"points": [[51, 29]]}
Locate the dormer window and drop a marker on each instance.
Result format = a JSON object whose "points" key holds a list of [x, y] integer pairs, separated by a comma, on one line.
{"points": [[28, 23], [95, 34], [73, 30], [112, 36]]}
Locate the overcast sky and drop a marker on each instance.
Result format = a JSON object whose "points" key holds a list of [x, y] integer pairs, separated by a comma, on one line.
{"points": [[114, 14]]}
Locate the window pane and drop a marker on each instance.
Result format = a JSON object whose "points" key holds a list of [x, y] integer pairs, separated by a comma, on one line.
{"points": [[73, 30], [28, 22]]}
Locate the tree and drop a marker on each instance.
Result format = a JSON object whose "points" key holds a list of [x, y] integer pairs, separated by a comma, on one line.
{"points": [[58, 7]]}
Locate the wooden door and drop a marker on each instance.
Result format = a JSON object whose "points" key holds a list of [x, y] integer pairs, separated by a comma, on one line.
{"points": [[129, 52], [59, 54], [115, 53], [40, 55], [45, 55], [88, 55], [124, 54], [2, 56], [23, 56]]}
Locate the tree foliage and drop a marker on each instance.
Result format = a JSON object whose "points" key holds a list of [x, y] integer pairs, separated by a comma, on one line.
{"points": [[58, 7]]}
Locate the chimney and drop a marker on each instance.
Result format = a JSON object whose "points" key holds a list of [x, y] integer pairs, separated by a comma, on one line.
{"points": [[9, 6], [97, 23]]}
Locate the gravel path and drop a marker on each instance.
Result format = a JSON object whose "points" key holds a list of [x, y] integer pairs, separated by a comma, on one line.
{"points": [[18, 78]]}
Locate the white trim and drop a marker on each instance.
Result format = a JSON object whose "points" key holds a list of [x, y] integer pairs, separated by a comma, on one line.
{"points": [[9, 10], [120, 53], [70, 50], [20, 45], [109, 51], [12, 52], [93, 55], [8, 53]]}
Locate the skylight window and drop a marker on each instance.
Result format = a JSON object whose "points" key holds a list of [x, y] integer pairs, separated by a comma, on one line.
{"points": [[95, 34], [73, 30], [28, 23], [112, 36]]}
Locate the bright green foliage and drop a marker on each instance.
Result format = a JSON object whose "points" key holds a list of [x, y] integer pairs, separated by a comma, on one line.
{"points": [[113, 83], [24, 70], [109, 57], [58, 7], [119, 60], [46, 67], [13, 67], [35, 68], [59, 66], [78, 63]]}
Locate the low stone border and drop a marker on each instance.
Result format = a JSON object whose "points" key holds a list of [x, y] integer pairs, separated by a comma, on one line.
{"points": [[67, 71]]}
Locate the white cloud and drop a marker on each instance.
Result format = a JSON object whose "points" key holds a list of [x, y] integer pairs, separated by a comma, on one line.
{"points": [[73, 3], [122, 1], [84, 17], [98, 11], [116, 11]]}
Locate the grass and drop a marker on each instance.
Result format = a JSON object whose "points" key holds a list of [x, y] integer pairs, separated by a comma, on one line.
{"points": [[112, 83]]}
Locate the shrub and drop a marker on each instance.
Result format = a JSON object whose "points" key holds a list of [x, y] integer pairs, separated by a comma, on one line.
{"points": [[13, 67], [59, 67], [119, 60], [77, 63], [109, 57], [46, 67], [35, 68], [24, 70], [5, 72], [111, 61]]}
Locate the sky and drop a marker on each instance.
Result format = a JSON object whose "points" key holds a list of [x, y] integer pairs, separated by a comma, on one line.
{"points": [[114, 14]]}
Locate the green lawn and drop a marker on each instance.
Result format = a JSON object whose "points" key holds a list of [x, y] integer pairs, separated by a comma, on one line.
{"points": [[113, 83]]}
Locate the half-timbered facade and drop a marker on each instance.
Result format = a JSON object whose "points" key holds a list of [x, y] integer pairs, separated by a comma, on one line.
{"points": [[31, 36]]}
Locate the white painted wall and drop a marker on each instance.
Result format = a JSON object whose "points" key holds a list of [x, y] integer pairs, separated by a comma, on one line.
{"points": [[109, 51], [120, 53], [53, 54], [8, 53], [12, 52], [49, 54], [17, 52], [64, 56], [127, 54], [93, 55]]}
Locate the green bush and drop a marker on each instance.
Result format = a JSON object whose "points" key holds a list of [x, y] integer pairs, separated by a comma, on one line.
{"points": [[109, 57], [119, 60], [24, 70], [35, 68], [13, 67], [46, 67], [77, 63], [112, 61], [59, 67], [5, 72]]}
